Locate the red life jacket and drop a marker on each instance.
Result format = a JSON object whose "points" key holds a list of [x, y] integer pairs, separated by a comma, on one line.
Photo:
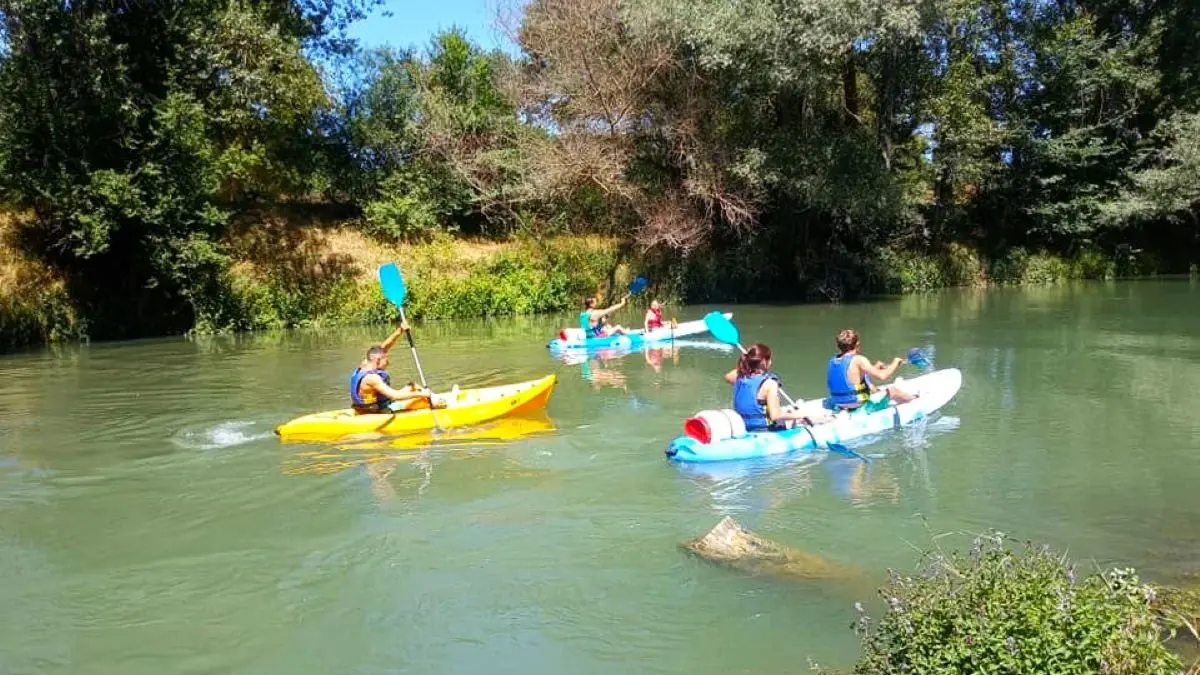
{"points": [[657, 321]]}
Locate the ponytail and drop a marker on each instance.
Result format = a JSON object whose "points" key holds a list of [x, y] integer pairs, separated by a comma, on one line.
{"points": [[754, 360]]}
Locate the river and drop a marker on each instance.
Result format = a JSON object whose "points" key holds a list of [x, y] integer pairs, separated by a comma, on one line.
{"points": [[151, 523]]}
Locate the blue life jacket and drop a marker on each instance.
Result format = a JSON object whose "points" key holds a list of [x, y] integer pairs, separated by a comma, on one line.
{"points": [[588, 329], [374, 402], [843, 392], [746, 403]]}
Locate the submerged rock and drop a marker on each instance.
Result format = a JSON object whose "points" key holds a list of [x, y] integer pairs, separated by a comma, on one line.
{"points": [[728, 543]]}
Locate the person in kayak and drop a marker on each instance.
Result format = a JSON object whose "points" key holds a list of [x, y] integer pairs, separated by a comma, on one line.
{"points": [[593, 321], [371, 388], [850, 375], [756, 392], [654, 317]]}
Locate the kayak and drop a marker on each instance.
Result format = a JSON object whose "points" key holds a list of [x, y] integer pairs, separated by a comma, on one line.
{"points": [[573, 338], [498, 431], [934, 391], [574, 357], [465, 407]]}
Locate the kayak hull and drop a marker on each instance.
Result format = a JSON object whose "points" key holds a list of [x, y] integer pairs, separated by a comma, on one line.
{"points": [[634, 339], [465, 407], [574, 357], [936, 389]]}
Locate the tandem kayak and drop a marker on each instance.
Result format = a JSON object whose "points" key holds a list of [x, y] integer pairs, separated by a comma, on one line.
{"points": [[934, 391], [573, 338], [574, 357], [465, 407]]}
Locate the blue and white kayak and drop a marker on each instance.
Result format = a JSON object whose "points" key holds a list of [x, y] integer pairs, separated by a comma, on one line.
{"points": [[574, 357], [573, 338], [934, 390]]}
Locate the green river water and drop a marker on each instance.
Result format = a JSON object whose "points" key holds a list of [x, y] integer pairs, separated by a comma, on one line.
{"points": [[151, 523]]}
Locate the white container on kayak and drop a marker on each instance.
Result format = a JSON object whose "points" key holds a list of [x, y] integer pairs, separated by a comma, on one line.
{"points": [[708, 426]]}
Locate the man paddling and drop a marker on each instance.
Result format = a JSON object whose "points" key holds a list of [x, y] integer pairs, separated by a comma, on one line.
{"points": [[850, 375], [371, 388]]}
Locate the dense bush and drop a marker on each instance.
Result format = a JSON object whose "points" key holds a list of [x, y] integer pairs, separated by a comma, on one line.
{"points": [[1006, 612]]}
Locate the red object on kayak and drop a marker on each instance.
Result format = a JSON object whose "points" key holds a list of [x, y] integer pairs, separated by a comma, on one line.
{"points": [[697, 428], [562, 335]]}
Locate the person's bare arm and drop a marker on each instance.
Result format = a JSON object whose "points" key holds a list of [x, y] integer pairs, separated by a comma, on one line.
{"points": [[775, 410], [646, 320], [395, 336], [599, 313], [381, 387], [877, 370], [731, 376]]}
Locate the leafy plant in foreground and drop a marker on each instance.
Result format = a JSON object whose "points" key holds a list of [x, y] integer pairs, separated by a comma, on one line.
{"points": [[1001, 612]]}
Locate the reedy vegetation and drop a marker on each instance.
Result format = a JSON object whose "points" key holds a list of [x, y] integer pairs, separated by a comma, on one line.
{"points": [[816, 148]]}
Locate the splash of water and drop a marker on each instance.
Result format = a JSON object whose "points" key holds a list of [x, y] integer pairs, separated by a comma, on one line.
{"points": [[221, 435]]}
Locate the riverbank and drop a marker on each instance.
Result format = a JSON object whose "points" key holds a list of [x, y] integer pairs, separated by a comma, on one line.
{"points": [[291, 269]]}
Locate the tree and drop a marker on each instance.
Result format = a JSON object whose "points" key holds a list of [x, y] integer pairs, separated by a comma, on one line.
{"points": [[129, 130]]}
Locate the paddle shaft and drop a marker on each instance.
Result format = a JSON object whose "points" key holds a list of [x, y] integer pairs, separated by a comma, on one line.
{"points": [[413, 348], [781, 391]]}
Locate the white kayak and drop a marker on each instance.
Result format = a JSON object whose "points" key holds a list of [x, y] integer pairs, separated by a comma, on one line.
{"points": [[573, 338], [934, 390], [574, 357]]}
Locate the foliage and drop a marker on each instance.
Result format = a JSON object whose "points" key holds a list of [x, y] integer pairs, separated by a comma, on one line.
{"points": [[130, 131], [1005, 612], [431, 140], [530, 279], [749, 149]]}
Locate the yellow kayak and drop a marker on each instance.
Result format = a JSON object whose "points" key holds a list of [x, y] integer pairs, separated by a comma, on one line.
{"points": [[465, 407], [346, 455]]}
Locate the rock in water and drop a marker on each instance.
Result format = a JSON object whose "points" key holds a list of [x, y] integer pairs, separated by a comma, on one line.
{"points": [[731, 544]]}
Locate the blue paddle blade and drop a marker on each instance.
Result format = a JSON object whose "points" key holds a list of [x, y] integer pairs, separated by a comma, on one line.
{"points": [[843, 450], [392, 284], [637, 285], [722, 328], [917, 358]]}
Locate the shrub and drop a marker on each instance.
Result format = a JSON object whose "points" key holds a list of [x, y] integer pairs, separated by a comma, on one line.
{"points": [[1001, 612]]}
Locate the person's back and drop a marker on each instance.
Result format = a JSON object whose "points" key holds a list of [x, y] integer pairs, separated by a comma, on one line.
{"points": [[756, 392], [848, 386], [747, 403], [849, 375]]}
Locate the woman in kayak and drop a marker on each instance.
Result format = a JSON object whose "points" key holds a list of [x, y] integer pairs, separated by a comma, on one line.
{"points": [[592, 320], [850, 374], [756, 392], [371, 387], [654, 318]]}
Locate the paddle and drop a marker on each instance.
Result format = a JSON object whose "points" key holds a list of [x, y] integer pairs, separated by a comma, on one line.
{"points": [[637, 285], [917, 358], [724, 330], [394, 290]]}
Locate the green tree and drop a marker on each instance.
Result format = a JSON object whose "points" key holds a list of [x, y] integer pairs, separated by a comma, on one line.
{"points": [[131, 129]]}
